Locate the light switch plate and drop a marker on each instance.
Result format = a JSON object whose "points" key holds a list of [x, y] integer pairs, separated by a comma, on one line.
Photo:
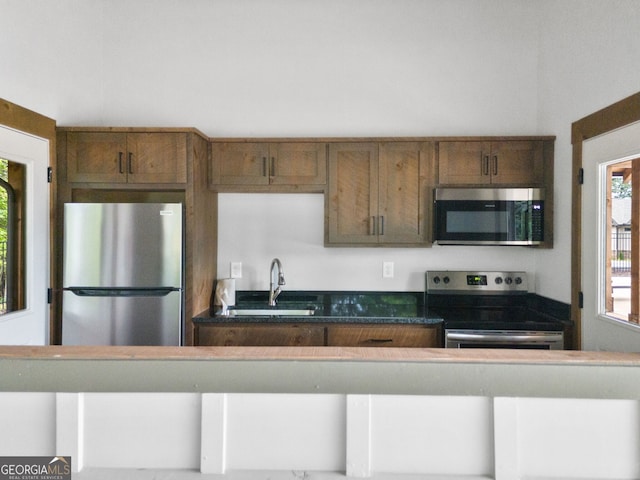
{"points": [[236, 269], [387, 269]]}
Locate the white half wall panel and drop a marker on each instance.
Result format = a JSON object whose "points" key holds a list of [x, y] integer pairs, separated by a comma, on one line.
{"points": [[434, 435], [167, 436], [142, 430], [285, 432], [27, 424], [578, 438]]}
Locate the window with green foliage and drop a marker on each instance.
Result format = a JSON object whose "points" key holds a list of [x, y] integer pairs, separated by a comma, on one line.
{"points": [[11, 251]]}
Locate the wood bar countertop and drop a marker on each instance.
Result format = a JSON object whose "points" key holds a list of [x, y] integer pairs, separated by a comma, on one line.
{"points": [[433, 355], [321, 370]]}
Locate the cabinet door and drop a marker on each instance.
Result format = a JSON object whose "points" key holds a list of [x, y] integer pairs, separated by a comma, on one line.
{"points": [[156, 158], [96, 157], [260, 335], [240, 163], [517, 162], [462, 163], [353, 194], [403, 184], [298, 164], [399, 336]]}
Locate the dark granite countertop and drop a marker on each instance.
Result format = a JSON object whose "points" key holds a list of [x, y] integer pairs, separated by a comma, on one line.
{"points": [[205, 317], [332, 307]]}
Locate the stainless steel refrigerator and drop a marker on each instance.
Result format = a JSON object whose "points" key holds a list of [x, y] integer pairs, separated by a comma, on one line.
{"points": [[123, 274]]}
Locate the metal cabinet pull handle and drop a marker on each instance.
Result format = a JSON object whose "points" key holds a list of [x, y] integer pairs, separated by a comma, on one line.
{"points": [[382, 225], [120, 164], [485, 165], [495, 165], [380, 340], [264, 167], [130, 163]]}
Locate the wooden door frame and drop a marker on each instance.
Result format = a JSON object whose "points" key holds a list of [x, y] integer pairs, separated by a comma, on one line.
{"points": [[610, 118], [27, 121]]}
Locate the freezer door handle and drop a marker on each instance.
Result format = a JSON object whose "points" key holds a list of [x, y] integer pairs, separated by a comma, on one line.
{"points": [[121, 291]]}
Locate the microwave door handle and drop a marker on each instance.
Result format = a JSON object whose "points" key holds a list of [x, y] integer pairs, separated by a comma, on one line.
{"points": [[511, 222]]}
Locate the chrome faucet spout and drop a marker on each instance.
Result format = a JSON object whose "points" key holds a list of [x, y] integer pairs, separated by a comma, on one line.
{"points": [[275, 284]]}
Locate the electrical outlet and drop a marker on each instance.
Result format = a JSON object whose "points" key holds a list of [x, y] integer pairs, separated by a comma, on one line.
{"points": [[387, 269], [236, 269]]}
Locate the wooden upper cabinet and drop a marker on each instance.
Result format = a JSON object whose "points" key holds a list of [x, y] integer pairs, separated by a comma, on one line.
{"points": [[353, 194], [517, 162], [157, 158], [120, 157], [239, 163], [480, 163], [96, 157], [298, 164], [405, 175], [263, 163], [378, 193]]}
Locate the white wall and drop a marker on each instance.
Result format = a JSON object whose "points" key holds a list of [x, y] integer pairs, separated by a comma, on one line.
{"points": [[333, 68]]}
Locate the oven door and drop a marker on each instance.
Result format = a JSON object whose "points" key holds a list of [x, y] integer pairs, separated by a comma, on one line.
{"points": [[468, 338]]}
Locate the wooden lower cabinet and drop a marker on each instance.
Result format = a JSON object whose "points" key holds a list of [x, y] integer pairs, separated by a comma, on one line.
{"points": [[290, 335], [399, 336], [260, 335]]}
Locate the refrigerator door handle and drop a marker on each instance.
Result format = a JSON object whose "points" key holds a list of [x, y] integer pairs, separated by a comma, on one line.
{"points": [[121, 291]]}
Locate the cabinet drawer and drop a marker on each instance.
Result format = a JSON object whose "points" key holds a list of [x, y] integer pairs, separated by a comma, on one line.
{"points": [[382, 336], [260, 335]]}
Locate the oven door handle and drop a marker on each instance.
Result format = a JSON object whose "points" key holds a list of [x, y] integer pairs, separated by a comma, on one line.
{"points": [[502, 337]]}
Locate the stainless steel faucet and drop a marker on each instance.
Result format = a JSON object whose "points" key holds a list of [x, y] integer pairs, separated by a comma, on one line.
{"points": [[275, 285]]}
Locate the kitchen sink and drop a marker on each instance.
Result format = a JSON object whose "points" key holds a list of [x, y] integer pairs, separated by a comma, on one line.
{"points": [[270, 312]]}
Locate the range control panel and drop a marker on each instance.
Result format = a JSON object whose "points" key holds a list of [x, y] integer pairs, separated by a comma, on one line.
{"points": [[463, 281]]}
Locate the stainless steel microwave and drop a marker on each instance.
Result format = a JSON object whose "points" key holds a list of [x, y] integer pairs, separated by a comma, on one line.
{"points": [[489, 216]]}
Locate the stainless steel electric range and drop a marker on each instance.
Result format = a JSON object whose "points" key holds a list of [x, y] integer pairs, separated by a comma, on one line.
{"points": [[489, 310]]}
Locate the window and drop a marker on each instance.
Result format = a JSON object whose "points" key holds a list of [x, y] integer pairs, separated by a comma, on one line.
{"points": [[12, 291], [621, 286]]}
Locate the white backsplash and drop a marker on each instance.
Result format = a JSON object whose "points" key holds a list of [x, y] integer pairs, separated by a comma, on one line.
{"points": [[254, 228]]}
